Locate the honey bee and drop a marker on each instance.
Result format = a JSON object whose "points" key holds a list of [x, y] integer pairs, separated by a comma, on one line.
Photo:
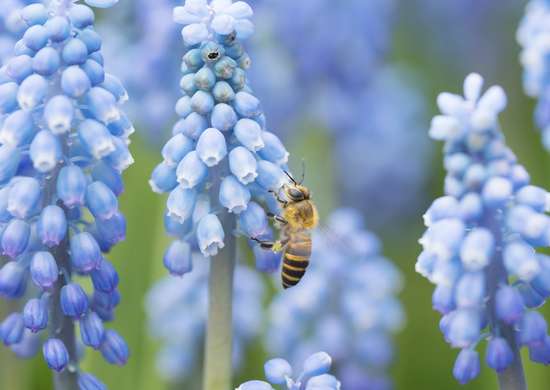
{"points": [[299, 217]]}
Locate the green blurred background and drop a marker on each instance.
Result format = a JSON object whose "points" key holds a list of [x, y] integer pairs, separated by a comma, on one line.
{"points": [[424, 360]]}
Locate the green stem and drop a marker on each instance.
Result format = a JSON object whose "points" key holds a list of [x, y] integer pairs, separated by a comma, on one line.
{"points": [[219, 331]]}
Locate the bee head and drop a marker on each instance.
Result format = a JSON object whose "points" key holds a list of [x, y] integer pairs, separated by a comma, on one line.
{"points": [[297, 192]]}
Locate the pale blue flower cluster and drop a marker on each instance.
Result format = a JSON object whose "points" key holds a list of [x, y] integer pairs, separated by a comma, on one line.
{"points": [[314, 376], [346, 304], [325, 62], [221, 161], [480, 245], [64, 144], [341, 81], [177, 312], [534, 37]]}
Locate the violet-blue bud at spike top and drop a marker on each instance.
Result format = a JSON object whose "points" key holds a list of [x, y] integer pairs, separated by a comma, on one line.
{"points": [[64, 147], [220, 137], [315, 374], [482, 254], [348, 296]]}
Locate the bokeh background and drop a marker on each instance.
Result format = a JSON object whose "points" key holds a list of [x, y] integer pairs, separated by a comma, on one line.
{"points": [[431, 44]]}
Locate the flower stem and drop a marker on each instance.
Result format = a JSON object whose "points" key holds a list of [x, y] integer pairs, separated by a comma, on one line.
{"points": [[61, 326], [513, 377], [219, 332]]}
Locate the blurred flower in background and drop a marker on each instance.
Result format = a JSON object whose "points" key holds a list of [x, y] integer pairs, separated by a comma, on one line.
{"points": [[64, 141], [314, 375], [177, 311], [151, 46], [534, 37], [344, 57], [480, 246], [339, 80], [346, 304]]}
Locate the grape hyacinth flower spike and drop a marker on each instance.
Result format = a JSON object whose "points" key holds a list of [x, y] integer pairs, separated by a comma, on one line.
{"points": [[314, 375], [219, 165], [64, 145], [534, 37], [346, 303], [480, 245]]}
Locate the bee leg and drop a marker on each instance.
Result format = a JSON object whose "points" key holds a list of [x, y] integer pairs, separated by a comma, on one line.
{"points": [[276, 195], [265, 244], [277, 218], [275, 246]]}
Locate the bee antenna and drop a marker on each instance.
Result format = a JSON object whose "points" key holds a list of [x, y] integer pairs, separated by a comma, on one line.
{"points": [[290, 177], [303, 172]]}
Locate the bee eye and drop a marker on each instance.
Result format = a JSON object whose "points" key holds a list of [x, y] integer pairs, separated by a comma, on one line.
{"points": [[295, 194]]}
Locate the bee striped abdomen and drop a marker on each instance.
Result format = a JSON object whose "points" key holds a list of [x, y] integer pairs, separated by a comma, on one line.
{"points": [[296, 259]]}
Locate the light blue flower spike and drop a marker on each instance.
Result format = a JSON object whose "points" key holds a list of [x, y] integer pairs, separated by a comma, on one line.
{"points": [[482, 235], [58, 200], [216, 149]]}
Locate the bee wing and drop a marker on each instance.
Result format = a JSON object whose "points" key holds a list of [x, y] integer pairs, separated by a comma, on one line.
{"points": [[363, 242]]}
